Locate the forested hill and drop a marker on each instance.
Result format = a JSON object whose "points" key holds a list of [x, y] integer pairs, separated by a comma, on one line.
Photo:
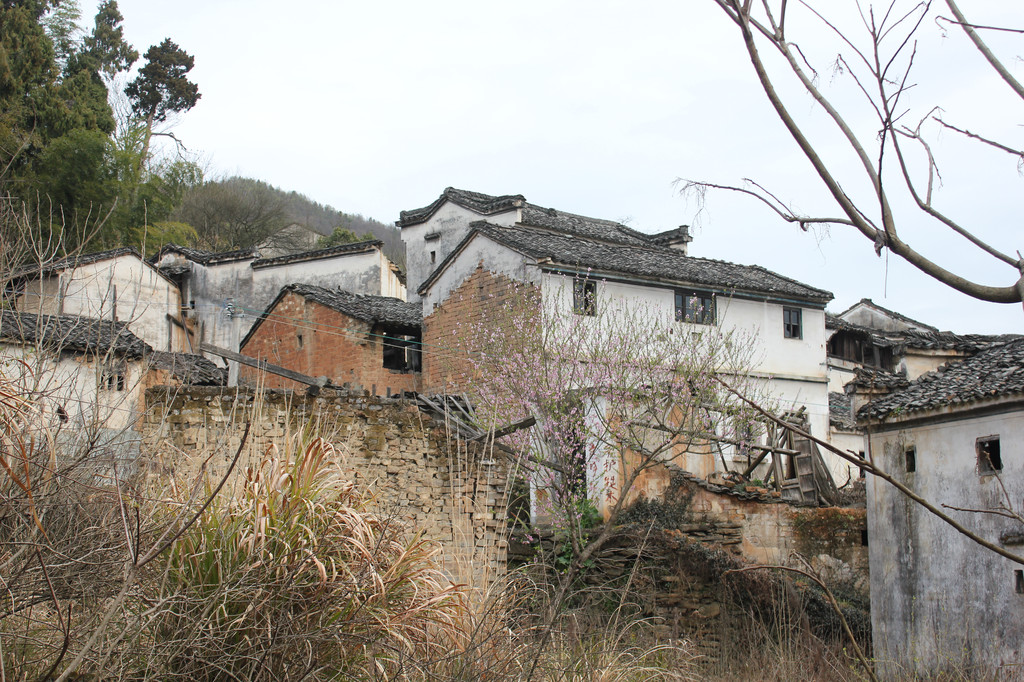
{"points": [[235, 213], [302, 210]]}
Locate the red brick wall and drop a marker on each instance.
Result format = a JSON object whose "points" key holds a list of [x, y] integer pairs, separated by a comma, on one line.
{"points": [[334, 345], [447, 332]]}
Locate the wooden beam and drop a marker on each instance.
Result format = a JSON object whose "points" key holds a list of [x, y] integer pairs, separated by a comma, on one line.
{"points": [[265, 366]]}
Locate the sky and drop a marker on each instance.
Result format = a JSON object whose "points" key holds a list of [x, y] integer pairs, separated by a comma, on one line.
{"points": [[600, 108]]}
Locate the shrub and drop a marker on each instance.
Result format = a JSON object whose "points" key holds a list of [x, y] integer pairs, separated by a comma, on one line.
{"points": [[297, 578]]}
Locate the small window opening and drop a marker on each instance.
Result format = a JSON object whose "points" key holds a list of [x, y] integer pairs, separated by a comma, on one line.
{"points": [[990, 458], [1018, 581], [113, 378], [433, 256], [298, 337], [401, 353], [584, 297], [864, 537], [792, 323], [911, 455]]}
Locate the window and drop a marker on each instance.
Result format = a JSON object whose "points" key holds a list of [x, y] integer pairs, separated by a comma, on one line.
{"points": [[695, 307], [990, 459], [911, 458], [584, 296], [433, 256], [298, 338], [1018, 581], [401, 352], [113, 377], [792, 323]]}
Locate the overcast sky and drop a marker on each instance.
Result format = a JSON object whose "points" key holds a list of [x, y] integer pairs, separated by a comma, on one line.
{"points": [[594, 108]]}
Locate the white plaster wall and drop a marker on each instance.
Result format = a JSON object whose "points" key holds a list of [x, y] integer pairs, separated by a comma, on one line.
{"points": [[231, 295], [123, 288], [496, 258], [451, 221], [937, 599], [916, 362], [791, 371], [390, 285], [72, 382]]}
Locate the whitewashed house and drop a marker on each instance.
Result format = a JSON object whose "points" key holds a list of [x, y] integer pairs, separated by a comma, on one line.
{"points": [[224, 293], [941, 604], [469, 239], [117, 285], [873, 350]]}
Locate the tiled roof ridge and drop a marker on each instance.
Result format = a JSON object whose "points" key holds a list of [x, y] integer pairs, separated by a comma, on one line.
{"points": [[316, 254], [993, 372], [77, 260], [895, 314], [658, 249], [204, 257], [485, 204], [76, 333], [306, 290]]}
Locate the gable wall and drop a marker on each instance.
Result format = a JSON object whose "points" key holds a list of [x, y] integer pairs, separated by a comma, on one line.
{"points": [[342, 348], [938, 600], [452, 222], [122, 288]]}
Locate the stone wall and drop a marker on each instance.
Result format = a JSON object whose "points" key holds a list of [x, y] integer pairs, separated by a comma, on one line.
{"points": [[684, 581], [453, 493]]}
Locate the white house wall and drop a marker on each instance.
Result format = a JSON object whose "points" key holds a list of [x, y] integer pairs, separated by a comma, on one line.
{"points": [[122, 288], [451, 222], [73, 384], [229, 296], [938, 599], [495, 258], [793, 370]]}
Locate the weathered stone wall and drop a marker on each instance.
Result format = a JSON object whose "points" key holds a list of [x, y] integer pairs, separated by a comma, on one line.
{"points": [[452, 493], [685, 581]]}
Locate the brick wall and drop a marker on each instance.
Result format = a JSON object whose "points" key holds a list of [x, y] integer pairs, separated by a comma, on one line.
{"points": [[453, 494], [316, 340], [448, 330]]}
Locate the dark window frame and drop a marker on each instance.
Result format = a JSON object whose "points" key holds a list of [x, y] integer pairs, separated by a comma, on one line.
{"points": [[910, 459], [990, 459], [696, 307], [584, 296], [792, 328]]}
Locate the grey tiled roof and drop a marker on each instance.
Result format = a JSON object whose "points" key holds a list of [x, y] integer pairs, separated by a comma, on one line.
{"points": [[922, 340], [649, 261], [206, 257], [592, 228], [76, 261], [873, 377], [532, 215], [840, 412], [891, 313], [354, 247], [994, 372], [484, 204], [194, 370], [75, 334], [393, 314]]}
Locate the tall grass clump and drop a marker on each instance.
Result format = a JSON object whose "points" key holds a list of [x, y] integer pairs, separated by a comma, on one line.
{"points": [[297, 578]]}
